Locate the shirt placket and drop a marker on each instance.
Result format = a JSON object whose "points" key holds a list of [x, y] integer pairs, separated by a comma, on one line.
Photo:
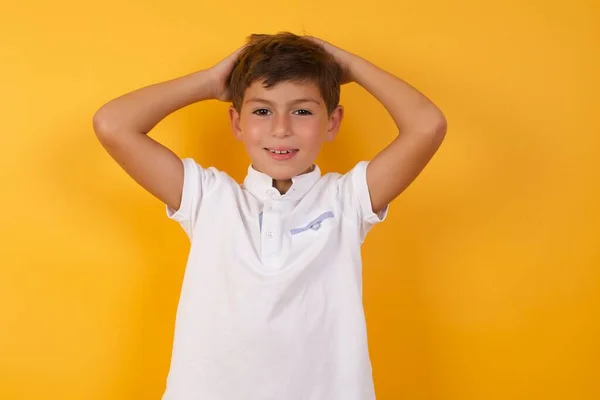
{"points": [[272, 228]]}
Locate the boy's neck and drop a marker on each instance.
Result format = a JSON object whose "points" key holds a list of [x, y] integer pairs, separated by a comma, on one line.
{"points": [[284, 185]]}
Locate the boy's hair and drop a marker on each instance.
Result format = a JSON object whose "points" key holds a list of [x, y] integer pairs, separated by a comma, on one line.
{"points": [[285, 57]]}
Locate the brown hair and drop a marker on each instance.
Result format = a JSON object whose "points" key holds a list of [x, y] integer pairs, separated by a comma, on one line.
{"points": [[285, 57]]}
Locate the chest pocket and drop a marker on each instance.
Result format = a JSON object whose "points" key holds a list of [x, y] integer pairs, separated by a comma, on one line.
{"points": [[315, 224]]}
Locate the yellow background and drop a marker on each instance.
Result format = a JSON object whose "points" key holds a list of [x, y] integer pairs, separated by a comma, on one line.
{"points": [[484, 282]]}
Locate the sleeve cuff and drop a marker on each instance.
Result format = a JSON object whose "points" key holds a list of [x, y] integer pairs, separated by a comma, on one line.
{"points": [[364, 199], [190, 186]]}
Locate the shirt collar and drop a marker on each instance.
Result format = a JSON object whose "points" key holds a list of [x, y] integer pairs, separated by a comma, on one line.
{"points": [[261, 185]]}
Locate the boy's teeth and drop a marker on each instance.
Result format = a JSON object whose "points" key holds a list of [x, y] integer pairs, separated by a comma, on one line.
{"points": [[280, 151]]}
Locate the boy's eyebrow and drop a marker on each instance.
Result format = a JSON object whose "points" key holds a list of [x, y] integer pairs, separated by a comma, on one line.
{"points": [[302, 100]]}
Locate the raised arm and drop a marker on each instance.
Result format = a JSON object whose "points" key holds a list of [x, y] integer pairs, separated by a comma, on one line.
{"points": [[421, 126], [122, 125]]}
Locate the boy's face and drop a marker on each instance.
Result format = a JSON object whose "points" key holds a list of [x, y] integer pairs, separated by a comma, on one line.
{"points": [[284, 127]]}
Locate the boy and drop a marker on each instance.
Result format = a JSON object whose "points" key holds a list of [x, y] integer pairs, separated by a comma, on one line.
{"points": [[271, 302]]}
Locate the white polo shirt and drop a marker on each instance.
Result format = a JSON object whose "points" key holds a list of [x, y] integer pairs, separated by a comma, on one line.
{"points": [[271, 301]]}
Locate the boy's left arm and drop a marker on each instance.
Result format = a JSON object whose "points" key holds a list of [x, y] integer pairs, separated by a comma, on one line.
{"points": [[421, 125]]}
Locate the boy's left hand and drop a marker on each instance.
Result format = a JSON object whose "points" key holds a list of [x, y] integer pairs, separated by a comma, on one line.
{"points": [[343, 57]]}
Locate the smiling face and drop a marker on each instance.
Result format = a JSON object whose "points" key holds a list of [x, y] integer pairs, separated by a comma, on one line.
{"points": [[284, 127]]}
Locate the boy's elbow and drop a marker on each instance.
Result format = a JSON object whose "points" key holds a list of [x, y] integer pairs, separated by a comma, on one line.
{"points": [[432, 123], [104, 126], [436, 133], [442, 126], [100, 119], [438, 128], [438, 125], [99, 123]]}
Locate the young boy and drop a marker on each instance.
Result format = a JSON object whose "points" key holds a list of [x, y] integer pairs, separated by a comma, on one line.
{"points": [[271, 302]]}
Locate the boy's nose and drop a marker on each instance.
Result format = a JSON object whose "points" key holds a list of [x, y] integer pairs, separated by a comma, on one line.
{"points": [[281, 127]]}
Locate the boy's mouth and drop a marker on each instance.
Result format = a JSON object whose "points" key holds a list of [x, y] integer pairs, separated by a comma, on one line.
{"points": [[281, 154], [281, 150]]}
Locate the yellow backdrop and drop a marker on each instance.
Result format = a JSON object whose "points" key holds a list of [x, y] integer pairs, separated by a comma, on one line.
{"points": [[483, 283]]}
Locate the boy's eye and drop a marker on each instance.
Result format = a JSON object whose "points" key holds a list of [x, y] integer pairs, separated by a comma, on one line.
{"points": [[261, 111], [304, 112]]}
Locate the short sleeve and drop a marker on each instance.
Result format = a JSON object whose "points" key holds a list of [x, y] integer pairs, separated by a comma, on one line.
{"points": [[197, 181], [353, 194]]}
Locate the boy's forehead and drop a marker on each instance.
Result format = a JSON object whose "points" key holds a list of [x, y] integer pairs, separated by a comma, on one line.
{"points": [[283, 92]]}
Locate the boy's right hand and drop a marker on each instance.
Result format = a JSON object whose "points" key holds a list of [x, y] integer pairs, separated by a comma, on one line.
{"points": [[220, 73]]}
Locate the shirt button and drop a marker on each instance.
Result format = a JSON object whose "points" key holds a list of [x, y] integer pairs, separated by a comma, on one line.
{"points": [[270, 235], [315, 226]]}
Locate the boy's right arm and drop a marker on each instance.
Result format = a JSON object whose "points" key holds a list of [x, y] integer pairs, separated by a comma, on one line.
{"points": [[122, 125]]}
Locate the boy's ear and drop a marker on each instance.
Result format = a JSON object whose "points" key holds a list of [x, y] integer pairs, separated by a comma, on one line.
{"points": [[234, 117], [335, 120]]}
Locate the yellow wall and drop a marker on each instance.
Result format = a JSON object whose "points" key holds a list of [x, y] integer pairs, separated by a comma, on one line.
{"points": [[483, 284]]}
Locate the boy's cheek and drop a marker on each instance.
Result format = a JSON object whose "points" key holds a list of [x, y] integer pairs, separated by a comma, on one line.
{"points": [[253, 132]]}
